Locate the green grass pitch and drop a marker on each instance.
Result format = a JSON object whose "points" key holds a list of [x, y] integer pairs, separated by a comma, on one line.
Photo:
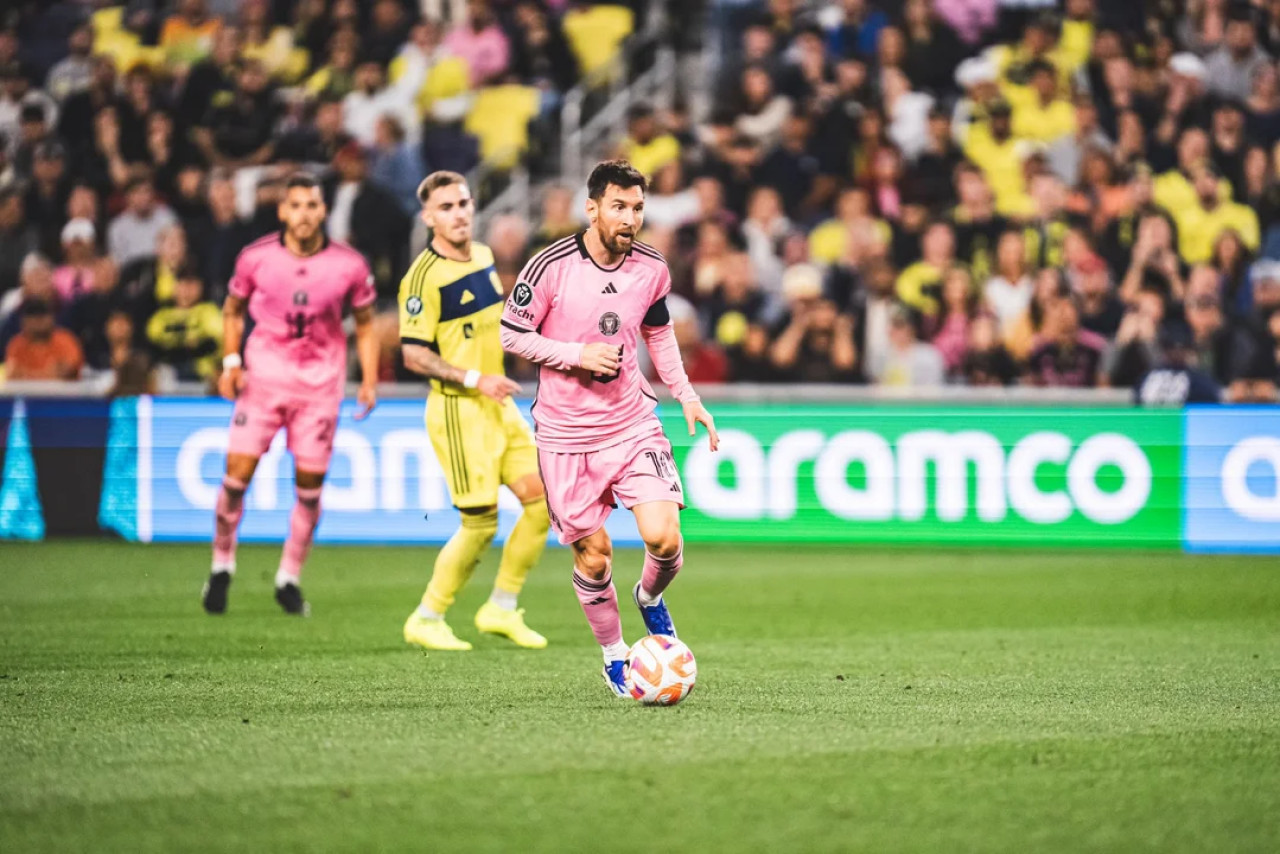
{"points": [[850, 700]]}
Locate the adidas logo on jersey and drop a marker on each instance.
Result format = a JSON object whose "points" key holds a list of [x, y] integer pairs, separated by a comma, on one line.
{"points": [[609, 289], [467, 297]]}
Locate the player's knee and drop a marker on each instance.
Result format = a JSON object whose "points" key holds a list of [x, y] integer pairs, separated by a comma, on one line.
{"points": [[536, 514], [665, 541], [309, 479], [309, 496], [481, 522], [593, 559]]}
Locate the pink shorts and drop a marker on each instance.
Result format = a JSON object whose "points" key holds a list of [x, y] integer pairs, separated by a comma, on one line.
{"points": [[308, 422], [582, 489]]}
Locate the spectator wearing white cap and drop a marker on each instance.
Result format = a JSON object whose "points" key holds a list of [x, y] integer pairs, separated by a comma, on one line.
{"points": [[75, 277], [814, 342]]}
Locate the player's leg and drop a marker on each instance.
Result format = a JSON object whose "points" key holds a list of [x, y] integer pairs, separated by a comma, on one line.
{"points": [[254, 423], [527, 540], [310, 427], [650, 487], [303, 520], [593, 582], [579, 502], [659, 526], [457, 431]]}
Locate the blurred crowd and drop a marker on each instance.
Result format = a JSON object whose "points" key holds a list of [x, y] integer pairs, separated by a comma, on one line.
{"points": [[906, 193], [144, 144]]}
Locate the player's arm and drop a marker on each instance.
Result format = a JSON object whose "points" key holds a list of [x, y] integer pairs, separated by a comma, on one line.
{"points": [[367, 351], [419, 318], [521, 317], [660, 337], [231, 380]]}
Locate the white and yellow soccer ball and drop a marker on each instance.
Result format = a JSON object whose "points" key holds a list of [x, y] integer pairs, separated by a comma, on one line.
{"points": [[660, 670]]}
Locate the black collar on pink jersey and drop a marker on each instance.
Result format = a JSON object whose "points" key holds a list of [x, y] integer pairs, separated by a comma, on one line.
{"points": [[582, 247], [324, 244]]}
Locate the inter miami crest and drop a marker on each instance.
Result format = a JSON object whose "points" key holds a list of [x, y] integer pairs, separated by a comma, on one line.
{"points": [[413, 305], [609, 323], [299, 297], [522, 295]]}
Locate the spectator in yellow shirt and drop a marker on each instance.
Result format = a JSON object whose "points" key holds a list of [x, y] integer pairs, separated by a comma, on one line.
{"points": [[1173, 189], [854, 235], [993, 149], [188, 334], [647, 146], [920, 285], [1047, 117], [1200, 225]]}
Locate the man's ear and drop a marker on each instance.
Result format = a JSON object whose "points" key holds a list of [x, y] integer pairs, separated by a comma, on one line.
{"points": [[593, 209]]}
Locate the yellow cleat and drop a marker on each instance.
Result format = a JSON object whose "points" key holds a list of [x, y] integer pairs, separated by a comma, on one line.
{"points": [[433, 634], [493, 620]]}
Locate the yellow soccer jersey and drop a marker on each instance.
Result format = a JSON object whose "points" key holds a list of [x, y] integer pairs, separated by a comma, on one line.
{"points": [[454, 308]]}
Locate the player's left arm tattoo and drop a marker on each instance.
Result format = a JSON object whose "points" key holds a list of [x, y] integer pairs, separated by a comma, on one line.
{"points": [[421, 359]]}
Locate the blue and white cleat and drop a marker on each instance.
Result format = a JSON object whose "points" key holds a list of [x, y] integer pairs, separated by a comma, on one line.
{"points": [[657, 619], [614, 678]]}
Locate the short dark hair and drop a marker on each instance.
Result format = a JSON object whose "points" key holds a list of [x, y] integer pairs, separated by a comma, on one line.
{"points": [[188, 272], [36, 307], [437, 180], [301, 179], [618, 173]]}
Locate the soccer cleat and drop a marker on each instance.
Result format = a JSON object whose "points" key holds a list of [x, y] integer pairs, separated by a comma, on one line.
{"points": [[433, 634], [657, 619], [613, 677], [289, 597], [214, 595], [493, 620]]}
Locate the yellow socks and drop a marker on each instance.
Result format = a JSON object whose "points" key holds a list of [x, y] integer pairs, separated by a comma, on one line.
{"points": [[524, 546], [460, 555]]}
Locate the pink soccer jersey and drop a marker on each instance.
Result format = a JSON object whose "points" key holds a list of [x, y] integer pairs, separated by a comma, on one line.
{"points": [[297, 305], [563, 295]]}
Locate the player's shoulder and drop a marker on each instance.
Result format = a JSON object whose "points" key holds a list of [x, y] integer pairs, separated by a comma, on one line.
{"points": [[481, 254], [346, 251], [550, 258], [647, 255], [419, 272], [260, 248]]}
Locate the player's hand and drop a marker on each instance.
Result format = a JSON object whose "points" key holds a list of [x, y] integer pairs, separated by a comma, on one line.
{"points": [[695, 413], [496, 387], [601, 358], [231, 382], [367, 397]]}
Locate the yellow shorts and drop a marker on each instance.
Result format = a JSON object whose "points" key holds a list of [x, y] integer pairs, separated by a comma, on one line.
{"points": [[481, 445]]}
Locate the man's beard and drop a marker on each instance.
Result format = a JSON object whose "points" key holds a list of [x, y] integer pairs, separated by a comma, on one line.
{"points": [[614, 244]]}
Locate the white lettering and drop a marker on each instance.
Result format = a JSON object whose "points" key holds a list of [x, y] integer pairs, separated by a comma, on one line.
{"points": [[1029, 502], [785, 457], [197, 491], [396, 449], [1109, 508], [746, 498], [874, 502], [360, 492], [1235, 478], [951, 454]]}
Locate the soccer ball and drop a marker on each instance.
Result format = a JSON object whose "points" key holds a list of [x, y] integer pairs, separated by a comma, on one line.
{"points": [[660, 670]]}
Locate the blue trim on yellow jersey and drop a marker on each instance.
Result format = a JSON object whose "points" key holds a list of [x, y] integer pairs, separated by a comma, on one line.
{"points": [[484, 294]]}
